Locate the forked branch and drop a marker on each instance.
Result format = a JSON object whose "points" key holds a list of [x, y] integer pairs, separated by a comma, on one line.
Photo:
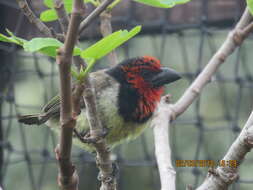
{"points": [[33, 18], [234, 39], [222, 177]]}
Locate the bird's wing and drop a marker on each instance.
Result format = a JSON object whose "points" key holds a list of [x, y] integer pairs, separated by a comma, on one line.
{"points": [[100, 80], [52, 104]]}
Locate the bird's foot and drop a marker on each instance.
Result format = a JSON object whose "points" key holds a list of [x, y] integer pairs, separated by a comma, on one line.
{"points": [[88, 138], [109, 178]]}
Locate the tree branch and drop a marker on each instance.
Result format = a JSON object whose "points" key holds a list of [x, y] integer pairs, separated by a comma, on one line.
{"points": [[222, 177], [63, 17], [64, 22], [106, 29], [96, 130], [33, 19], [68, 178], [234, 39], [94, 14], [104, 162], [70, 108], [160, 125]]}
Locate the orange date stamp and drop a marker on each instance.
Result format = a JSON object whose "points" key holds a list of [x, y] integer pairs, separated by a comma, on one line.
{"points": [[207, 163]]}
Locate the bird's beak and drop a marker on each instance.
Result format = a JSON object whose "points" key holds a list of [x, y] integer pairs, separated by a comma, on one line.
{"points": [[164, 77]]}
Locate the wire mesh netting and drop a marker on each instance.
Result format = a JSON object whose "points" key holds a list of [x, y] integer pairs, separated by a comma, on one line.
{"points": [[204, 132]]}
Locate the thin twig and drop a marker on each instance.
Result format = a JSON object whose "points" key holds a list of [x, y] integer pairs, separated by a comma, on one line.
{"points": [[94, 14], [33, 18], [106, 29], [63, 17], [234, 39], [104, 162]]}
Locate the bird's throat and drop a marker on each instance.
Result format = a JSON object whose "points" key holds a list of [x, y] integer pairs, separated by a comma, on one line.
{"points": [[147, 103], [138, 105]]}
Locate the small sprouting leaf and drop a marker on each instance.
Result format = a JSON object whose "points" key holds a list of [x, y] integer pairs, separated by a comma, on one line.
{"points": [[74, 73], [48, 15], [162, 3], [109, 43], [250, 6], [83, 73]]}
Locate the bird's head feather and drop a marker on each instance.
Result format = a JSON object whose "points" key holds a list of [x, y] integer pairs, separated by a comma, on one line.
{"points": [[141, 86]]}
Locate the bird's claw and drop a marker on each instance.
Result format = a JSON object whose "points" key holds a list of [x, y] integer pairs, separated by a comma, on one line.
{"points": [[87, 138], [109, 178], [90, 140], [115, 171]]}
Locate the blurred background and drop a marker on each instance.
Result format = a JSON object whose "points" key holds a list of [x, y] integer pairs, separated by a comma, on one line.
{"points": [[184, 38]]}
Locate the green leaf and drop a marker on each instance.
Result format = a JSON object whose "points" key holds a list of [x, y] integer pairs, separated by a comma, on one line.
{"points": [[105, 46], [67, 4], [47, 46], [49, 3], [20, 41], [109, 43], [250, 6], [37, 44], [4, 38], [48, 15], [77, 51], [162, 3], [12, 38]]}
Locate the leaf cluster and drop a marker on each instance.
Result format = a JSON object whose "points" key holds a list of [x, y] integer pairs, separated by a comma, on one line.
{"points": [[49, 46]]}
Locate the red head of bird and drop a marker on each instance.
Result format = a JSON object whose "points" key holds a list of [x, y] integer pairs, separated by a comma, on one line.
{"points": [[141, 86]]}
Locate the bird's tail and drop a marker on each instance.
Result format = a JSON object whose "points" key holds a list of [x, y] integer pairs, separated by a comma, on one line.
{"points": [[37, 119]]}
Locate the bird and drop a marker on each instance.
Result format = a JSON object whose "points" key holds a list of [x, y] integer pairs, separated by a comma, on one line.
{"points": [[126, 96]]}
